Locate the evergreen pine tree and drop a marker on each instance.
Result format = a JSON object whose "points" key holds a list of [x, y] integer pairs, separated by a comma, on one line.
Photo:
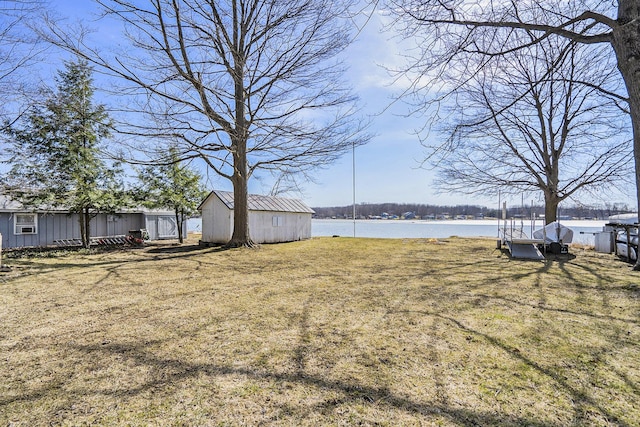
{"points": [[56, 152], [172, 185]]}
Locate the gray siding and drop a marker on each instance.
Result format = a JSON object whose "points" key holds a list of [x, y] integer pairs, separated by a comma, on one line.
{"points": [[50, 227], [57, 226], [10, 240], [163, 226], [116, 224], [60, 225]]}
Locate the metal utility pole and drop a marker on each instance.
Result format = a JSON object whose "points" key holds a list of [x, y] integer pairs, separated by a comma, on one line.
{"points": [[353, 149]]}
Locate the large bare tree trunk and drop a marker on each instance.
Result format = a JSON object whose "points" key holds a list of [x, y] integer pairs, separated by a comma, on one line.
{"points": [[551, 202], [240, 236], [627, 49], [239, 139], [240, 178]]}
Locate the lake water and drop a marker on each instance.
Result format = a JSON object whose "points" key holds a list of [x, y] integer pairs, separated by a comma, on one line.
{"points": [[582, 230]]}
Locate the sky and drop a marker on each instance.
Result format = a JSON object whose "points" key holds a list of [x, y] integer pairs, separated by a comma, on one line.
{"points": [[388, 168]]}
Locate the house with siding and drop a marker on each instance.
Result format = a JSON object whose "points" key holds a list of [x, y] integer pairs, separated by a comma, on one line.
{"points": [[39, 227], [271, 219]]}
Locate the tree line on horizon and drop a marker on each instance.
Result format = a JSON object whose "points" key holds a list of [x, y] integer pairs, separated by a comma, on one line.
{"points": [[370, 210]]}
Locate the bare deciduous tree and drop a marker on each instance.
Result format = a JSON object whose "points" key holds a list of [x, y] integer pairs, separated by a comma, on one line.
{"points": [[536, 119], [452, 29], [19, 47], [245, 85]]}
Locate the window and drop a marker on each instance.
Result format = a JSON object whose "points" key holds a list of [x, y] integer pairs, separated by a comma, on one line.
{"points": [[25, 223], [278, 221]]}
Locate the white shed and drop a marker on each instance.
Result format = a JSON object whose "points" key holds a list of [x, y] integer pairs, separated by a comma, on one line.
{"points": [[271, 219]]}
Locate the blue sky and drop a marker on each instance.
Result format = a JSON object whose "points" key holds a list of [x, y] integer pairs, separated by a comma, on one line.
{"points": [[388, 168]]}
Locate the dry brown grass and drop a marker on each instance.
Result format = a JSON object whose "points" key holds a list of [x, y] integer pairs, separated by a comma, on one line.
{"points": [[330, 331]]}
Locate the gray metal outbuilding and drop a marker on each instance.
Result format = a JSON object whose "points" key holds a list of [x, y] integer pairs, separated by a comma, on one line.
{"points": [[271, 219], [39, 227]]}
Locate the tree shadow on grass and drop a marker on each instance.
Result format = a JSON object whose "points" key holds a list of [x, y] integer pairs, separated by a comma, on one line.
{"points": [[166, 372], [175, 371], [581, 399], [571, 275], [25, 266]]}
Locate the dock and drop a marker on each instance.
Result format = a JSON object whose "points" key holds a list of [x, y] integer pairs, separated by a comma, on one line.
{"points": [[520, 246], [525, 248]]}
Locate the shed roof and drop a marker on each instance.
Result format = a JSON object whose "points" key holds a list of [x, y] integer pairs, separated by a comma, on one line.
{"points": [[8, 204], [264, 203]]}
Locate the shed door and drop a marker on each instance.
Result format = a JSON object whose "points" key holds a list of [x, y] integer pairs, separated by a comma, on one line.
{"points": [[167, 227]]}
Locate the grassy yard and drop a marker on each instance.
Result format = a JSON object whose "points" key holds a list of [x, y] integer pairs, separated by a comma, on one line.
{"points": [[330, 331]]}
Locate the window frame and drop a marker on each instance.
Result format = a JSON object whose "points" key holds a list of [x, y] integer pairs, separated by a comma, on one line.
{"points": [[18, 227], [277, 221]]}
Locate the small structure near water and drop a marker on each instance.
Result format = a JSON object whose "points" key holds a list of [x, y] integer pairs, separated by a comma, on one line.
{"points": [[620, 236], [271, 219]]}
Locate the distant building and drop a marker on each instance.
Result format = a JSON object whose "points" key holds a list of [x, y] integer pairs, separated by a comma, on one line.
{"points": [[271, 219]]}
